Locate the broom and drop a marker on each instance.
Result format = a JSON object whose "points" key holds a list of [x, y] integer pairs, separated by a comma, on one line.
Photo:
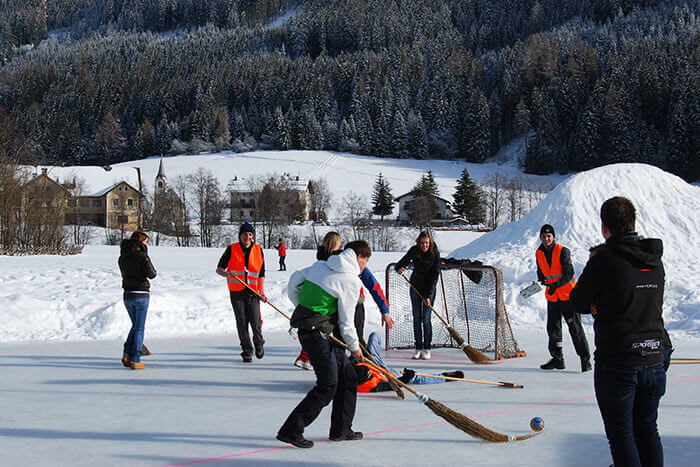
{"points": [[473, 354], [392, 385], [456, 419], [452, 378]]}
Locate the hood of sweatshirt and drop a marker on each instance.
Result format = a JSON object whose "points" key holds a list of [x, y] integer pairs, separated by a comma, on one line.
{"points": [[345, 262], [640, 252]]}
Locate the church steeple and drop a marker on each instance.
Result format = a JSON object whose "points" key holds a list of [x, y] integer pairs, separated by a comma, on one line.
{"points": [[161, 179]]}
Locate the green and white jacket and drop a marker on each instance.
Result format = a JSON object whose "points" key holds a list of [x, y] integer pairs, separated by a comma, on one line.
{"points": [[329, 287]]}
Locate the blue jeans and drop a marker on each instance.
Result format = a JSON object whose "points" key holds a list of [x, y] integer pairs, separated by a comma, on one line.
{"points": [[137, 309], [374, 345], [628, 399], [422, 327]]}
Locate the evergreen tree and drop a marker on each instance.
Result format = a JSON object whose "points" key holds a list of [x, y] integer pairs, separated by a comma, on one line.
{"points": [[399, 137], [469, 200], [382, 199]]}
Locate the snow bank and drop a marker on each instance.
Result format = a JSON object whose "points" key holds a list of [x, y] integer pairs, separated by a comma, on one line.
{"points": [[667, 208]]}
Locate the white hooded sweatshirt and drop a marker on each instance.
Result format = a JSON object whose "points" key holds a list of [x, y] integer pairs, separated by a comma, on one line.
{"points": [[339, 278]]}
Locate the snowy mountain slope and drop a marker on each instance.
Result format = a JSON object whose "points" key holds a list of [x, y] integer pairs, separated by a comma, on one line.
{"points": [[667, 208]]}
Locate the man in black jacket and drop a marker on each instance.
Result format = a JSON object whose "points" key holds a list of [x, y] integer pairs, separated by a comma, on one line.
{"points": [[622, 286]]}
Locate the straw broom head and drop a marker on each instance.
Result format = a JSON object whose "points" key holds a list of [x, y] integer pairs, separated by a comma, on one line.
{"points": [[471, 427], [473, 354]]}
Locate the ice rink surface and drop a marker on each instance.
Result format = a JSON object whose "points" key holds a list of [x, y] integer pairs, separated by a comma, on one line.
{"points": [[72, 403]]}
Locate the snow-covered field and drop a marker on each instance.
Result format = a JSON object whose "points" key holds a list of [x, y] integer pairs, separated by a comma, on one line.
{"points": [[67, 400]]}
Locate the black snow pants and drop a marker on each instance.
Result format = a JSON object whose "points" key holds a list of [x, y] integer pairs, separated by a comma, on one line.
{"points": [[336, 380], [555, 312]]}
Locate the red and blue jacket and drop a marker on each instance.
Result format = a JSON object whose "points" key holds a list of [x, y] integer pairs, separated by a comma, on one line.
{"points": [[369, 281]]}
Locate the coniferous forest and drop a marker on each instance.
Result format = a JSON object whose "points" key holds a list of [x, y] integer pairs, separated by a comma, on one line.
{"points": [[583, 82]]}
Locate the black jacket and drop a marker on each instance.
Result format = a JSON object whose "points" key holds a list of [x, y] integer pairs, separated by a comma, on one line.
{"points": [[135, 265], [426, 269], [624, 279]]}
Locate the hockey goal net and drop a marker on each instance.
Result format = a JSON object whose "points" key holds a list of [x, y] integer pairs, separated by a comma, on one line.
{"points": [[469, 297]]}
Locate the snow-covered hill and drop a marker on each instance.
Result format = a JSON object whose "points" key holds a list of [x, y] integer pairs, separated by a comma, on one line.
{"points": [[667, 208]]}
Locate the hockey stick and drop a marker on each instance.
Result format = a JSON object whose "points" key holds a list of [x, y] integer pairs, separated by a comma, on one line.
{"points": [[452, 378], [393, 385], [473, 354]]}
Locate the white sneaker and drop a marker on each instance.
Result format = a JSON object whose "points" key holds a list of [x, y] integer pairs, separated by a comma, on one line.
{"points": [[303, 365], [417, 355], [425, 355]]}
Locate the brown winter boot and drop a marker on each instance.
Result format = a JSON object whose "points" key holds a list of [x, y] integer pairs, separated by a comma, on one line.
{"points": [[126, 361], [137, 366]]}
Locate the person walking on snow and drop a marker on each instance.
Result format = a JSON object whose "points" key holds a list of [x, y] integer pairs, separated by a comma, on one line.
{"points": [[136, 269], [556, 273], [372, 380], [243, 261], [325, 295], [282, 252], [623, 285]]}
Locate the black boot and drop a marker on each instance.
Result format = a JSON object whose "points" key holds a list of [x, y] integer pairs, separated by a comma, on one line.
{"points": [[554, 364], [298, 441], [454, 374], [350, 436], [585, 365]]}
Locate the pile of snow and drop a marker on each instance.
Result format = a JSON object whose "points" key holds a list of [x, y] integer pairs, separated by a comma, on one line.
{"points": [[667, 208]]}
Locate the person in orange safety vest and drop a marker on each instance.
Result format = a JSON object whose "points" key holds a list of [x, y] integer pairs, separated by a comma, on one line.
{"points": [[371, 379], [556, 273], [243, 262]]}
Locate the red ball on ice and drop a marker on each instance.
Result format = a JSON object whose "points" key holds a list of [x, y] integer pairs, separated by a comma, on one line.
{"points": [[537, 424]]}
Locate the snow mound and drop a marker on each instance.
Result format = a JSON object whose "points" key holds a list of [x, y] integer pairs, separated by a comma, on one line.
{"points": [[667, 208]]}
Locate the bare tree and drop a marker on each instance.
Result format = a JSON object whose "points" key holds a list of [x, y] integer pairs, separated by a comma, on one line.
{"points": [[421, 210], [42, 213], [319, 199], [278, 203], [78, 187], [356, 209], [11, 181], [180, 224], [515, 189], [495, 193], [207, 203]]}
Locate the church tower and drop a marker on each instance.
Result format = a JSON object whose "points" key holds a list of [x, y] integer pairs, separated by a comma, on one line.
{"points": [[161, 179]]}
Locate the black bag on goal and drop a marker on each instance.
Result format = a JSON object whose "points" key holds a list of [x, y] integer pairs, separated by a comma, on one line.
{"points": [[474, 276]]}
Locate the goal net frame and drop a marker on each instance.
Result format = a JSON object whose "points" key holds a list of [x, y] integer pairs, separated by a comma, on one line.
{"points": [[469, 297]]}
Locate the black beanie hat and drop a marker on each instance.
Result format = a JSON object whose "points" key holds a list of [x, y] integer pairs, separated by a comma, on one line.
{"points": [[246, 227], [547, 229]]}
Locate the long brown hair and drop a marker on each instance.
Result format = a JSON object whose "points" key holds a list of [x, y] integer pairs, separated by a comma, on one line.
{"points": [[431, 248], [140, 236]]}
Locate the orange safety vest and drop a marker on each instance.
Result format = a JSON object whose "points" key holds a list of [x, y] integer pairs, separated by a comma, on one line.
{"points": [[249, 275], [553, 273], [377, 377]]}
